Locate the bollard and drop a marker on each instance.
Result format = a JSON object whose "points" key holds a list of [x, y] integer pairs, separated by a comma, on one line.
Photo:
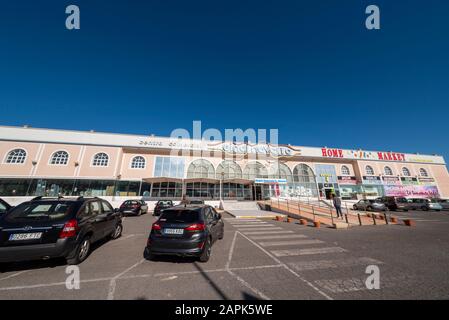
{"points": [[289, 219], [374, 219], [316, 224], [409, 223], [346, 218], [394, 220], [386, 218], [303, 222], [360, 219]]}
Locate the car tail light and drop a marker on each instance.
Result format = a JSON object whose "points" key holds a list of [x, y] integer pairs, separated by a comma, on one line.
{"points": [[69, 230], [156, 226], [196, 227]]}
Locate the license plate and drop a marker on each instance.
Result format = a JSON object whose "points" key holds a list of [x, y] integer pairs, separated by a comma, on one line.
{"points": [[173, 231], [25, 236]]}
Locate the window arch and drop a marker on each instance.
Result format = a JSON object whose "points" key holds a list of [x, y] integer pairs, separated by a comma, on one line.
{"points": [[423, 172], [59, 158], [302, 173], [281, 171], [388, 171], [255, 170], [229, 169], [16, 156], [201, 169], [138, 162], [101, 160], [345, 171], [369, 171], [406, 172]]}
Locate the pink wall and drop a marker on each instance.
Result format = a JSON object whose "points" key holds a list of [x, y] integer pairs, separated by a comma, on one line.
{"points": [[25, 169]]}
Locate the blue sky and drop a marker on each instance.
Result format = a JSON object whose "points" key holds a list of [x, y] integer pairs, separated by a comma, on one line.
{"points": [[307, 68]]}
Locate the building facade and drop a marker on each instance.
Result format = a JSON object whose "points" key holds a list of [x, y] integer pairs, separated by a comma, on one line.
{"points": [[47, 162]]}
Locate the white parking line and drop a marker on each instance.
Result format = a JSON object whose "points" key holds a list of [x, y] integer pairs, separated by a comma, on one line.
{"points": [[287, 236], [266, 232], [289, 243], [302, 252], [333, 264], [113, 282], [254, 226], [260, 229], [14, 275]]}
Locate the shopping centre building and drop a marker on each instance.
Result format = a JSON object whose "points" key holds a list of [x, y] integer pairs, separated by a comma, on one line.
{"points": [[73, 163]]}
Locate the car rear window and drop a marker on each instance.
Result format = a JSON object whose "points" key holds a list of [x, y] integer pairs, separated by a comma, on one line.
{"points": [[165, 203], [40, 211], [180, 216]]}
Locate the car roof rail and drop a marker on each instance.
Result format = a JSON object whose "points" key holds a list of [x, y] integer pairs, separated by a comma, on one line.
{"points": [[43, 198]]}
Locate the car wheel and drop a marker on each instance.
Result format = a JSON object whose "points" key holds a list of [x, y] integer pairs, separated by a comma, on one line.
{"points": [[117, 231], [369, 208], [221, 235], [206, 251], [354, 207], [148, 255], [81, 253]]}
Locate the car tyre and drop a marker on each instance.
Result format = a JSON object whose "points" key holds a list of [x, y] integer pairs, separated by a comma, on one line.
{"points": [[148, 255], [117, 231], [205, 255], [81, 252]]}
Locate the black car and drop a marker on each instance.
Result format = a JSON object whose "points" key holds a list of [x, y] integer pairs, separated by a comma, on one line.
{"points": [[134, 207], [395, 203], [56, 227], [4, 207], [185, 231], [161, 205]]}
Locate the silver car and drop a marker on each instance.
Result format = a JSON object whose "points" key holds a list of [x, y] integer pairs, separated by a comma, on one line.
{"points": [[423, 204], [444, 203], [369, 205]]}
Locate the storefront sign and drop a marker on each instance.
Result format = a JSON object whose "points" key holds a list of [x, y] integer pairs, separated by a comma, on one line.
{"points": [[391, 156], [409, 181], [426, 180], [371, 180], [391, 180], [347, 180], [412, 191], [270, 181], [332, 153], [257, 149], [326, 173]]}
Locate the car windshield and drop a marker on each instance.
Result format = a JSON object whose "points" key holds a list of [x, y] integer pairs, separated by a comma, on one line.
{"points": [[180, 216], [40, 211]]}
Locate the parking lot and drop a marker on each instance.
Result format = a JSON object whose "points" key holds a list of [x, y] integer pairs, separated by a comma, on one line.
{"points": [[257, 259]]}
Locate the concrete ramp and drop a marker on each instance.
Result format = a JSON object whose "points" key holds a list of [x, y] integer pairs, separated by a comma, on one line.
{"points": [[246, 209]]}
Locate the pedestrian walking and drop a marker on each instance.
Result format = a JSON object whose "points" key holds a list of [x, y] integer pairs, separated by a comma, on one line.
{"points": [[337, 205]]}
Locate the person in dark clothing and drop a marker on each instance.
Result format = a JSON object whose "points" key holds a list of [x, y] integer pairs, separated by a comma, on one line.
{"points": [[337, 205]]}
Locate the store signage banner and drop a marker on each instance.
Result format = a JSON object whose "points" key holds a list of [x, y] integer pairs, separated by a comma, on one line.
{"points": [[347, 180], [409, 181], [270, 181], [412, 191], [426, 181], [371, 180], [391, 180]]}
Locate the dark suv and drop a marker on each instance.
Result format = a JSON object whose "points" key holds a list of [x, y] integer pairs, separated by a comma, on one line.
{"points": [[161, 205], [56, 227], [395, 203], [185, 231], [4, 207]]}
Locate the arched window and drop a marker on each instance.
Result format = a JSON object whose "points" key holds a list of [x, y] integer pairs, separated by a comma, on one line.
{"points": [[101, 160], [303, 174], [280, 171], [16, 156], [228, 170], [138, 163], [388, 171], [423, 172], [405, 172], [369, 171], [255, 170], [201, 169], [345, 171], [60, 158]]}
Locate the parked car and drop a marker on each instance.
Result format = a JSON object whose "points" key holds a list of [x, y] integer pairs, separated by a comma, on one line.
{"points": [[134, 207], [185, 230], [196, 201], [56, 227], [395, 203], [161, 205], [444, 203], [4, 206], [370, 205], [424, 204]]}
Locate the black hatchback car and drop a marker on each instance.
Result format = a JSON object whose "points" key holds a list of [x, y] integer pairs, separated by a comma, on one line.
{"points": [[134, 207], [4, 207], [56, 227], [185, 231]]}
